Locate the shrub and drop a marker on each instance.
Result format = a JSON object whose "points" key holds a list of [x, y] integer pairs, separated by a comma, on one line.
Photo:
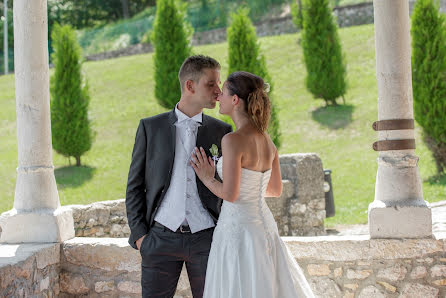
{"points": [[429, 76], [244, 54], [70, 126], [171, 39], [326, 70]]}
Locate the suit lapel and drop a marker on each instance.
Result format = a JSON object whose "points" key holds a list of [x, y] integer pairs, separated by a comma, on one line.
{"points": [[171, 134], [202, 135]]}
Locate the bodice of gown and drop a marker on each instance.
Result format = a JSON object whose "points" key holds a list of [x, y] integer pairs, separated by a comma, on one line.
{"points": [[250, 205]]}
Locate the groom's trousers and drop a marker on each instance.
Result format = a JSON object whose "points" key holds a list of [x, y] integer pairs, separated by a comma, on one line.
{"points": [[163, 253]]}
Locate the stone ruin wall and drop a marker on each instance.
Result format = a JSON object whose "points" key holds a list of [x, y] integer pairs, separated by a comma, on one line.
{"points": [[334, 266], [300, 211]]}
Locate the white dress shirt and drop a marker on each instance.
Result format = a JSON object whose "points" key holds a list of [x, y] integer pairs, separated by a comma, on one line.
{"points": [[181, 204]]}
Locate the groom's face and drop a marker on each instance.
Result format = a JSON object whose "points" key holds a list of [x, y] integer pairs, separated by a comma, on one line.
{"points": [[207, 89]]}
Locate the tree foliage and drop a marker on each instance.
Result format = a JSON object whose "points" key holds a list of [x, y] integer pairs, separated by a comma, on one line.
{"points": [[70, 126], [244, 54], [171, 39], [429, 76], [326, 70]]}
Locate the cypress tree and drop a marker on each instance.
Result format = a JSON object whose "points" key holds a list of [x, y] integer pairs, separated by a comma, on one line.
{"points": [[296, 13], [244, 54], [429, 76], [171, 35], [326, 70], [70, 126]]}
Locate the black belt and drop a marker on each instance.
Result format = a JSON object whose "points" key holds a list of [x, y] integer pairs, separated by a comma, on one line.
{"points": [[181, 229]]}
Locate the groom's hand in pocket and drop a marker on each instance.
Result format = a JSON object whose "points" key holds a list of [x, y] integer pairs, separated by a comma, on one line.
{"points": [[139, 241]]}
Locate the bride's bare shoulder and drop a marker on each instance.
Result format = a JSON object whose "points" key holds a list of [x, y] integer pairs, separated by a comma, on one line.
{"points": [[231, 138]]}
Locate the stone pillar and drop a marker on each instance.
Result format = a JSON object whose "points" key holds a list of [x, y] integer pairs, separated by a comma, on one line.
{"points": [[443, 6], [37, 215], [398, 210]]}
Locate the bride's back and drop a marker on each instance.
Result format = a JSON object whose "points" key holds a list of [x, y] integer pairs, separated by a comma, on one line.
{"points": [[256, 148]]}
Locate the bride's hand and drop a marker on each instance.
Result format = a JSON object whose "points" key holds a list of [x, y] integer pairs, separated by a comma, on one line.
{"points": [[204, 166]]}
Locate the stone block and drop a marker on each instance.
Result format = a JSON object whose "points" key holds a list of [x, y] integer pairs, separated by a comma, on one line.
{"points": [[25, 269], [387, 286], [324, 287], [72, 284], [318, 269], [418, 290], [306, 172], [110, 254], [37, 226], [358, 274], [338, 272], [418, 272], [297, 208], [130, 287], [438, 271], [104, 286], [371, 292], [399, 221], [44, 284], [48, 256], [439, 282], [394, 273], [353, 287], [360, 247]]}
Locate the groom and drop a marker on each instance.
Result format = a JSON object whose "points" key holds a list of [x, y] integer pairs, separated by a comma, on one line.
{"points": [[170, 212]]}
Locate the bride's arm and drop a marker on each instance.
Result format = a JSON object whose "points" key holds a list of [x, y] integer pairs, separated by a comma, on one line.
{"points": [[274, 188], [229, 190]]}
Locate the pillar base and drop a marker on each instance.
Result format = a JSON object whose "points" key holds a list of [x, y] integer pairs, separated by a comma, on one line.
{"points": [[399, 221], [38, 226]]}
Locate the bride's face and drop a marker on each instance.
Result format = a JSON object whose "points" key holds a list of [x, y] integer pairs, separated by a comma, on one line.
{"points": [[225, 100]]}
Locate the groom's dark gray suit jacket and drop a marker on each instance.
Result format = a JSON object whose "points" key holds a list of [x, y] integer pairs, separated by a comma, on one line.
{"points": [[151, 168]]}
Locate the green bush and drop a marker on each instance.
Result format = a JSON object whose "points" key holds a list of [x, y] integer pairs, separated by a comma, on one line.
{"points": [[296, 13], [70, 126], [326, 70], [429, 76], [244, 54], [171, 39]]}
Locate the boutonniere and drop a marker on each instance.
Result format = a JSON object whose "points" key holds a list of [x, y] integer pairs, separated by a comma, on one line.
{"points": [[214, 153]]}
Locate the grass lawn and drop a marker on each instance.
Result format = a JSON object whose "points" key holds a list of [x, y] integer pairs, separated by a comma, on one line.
{"points": [[122, 92]]}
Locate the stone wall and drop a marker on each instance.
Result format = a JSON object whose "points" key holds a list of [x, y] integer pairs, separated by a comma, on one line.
{"points": [[29, 270], [360, 267], [334, 266], [299, 211]]}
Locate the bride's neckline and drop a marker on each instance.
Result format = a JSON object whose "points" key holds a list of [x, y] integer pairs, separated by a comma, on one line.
{"points": [[256, 171]]}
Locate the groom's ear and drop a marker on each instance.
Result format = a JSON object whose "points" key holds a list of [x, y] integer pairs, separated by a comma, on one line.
{"points": [[190, 86]]}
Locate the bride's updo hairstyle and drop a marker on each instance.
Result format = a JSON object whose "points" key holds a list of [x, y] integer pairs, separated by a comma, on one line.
{"points": [[254, 93]]}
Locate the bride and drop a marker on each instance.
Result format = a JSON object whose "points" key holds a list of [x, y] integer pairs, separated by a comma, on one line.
{"points": [[248, 258]]}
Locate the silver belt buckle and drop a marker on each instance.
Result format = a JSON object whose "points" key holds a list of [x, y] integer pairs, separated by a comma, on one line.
{"points": [[184, 231]]}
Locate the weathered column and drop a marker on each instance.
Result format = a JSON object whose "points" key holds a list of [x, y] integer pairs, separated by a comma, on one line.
{"points": [[398, 210], [37, 215], [443, 6]]}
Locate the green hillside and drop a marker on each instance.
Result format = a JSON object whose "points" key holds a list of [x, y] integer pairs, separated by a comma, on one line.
{"points": [[122, 93]]}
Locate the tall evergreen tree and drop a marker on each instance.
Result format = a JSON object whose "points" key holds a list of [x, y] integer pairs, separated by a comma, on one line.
{"points": [[296, 13], [70, 126], [326, 70], [429, 76], [171, 39], [244, 54]]}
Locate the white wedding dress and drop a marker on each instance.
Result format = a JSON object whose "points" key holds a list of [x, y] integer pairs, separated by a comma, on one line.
{"points": [[248, 259]]}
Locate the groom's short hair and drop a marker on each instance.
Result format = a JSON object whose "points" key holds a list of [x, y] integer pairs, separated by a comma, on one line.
{"points": [[193, 67]]}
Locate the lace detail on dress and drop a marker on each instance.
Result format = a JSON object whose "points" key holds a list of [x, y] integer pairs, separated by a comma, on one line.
{"points": [[249, 209]]}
